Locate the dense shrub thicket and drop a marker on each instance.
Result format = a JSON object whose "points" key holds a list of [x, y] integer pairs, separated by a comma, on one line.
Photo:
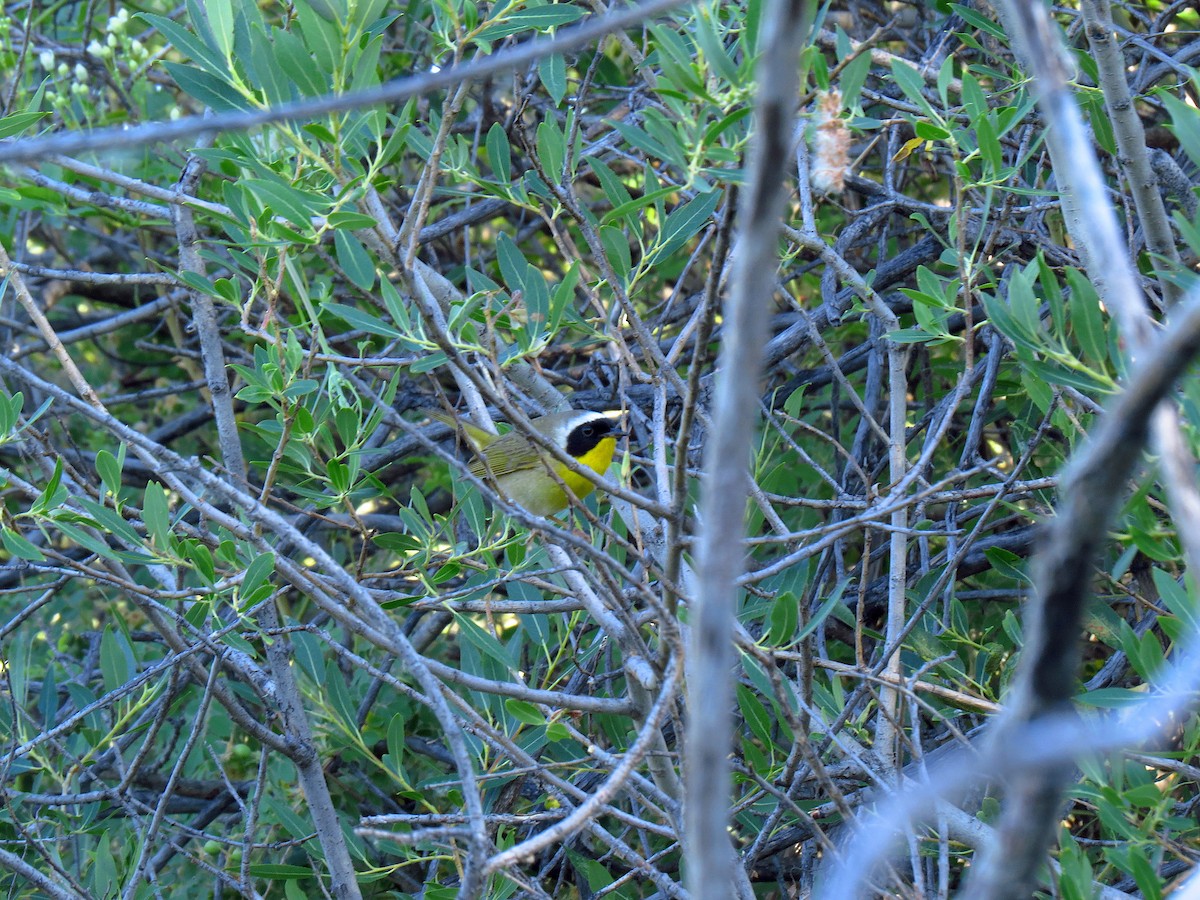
{"points": [[262, 634]]}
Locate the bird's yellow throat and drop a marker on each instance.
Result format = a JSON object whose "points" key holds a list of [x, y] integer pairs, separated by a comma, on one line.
{"points": [[598, 459], [529, 475]]}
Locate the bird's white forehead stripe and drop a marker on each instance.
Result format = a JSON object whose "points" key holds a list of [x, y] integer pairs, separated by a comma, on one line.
{"points": [[574, 422]]}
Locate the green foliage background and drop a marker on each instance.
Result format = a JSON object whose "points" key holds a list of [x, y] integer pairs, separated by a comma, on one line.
{"points": [[568, 224]]}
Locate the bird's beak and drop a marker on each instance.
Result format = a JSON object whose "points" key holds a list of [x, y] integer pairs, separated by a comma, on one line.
{"points": [[619, 429]]}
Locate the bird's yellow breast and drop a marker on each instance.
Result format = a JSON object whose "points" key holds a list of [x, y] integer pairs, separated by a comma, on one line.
{"points": [[598, 459], [534, 489], [533, 478]]}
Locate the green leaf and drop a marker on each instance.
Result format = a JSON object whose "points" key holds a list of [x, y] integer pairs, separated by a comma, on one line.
{"points": [[1087, 320], [794, 404], [499, 153], [928, 131], [52, 494], [755, 714], [513, 265], [429, 362], [912, 336], [640, 139], [1101, 620], [296, 62], [705, 32], [308, 651], [447, 572], [1001, 316], [395, 306], [784, 616], [17, 545], [910, 81], [1075, 875], [614, 190], [551, 147], [228, 291], [395, 739], [1053, 373], [667, 132], [48, 701], [1024, 305], [1050, 288], [13, 125], [198, 283], [301, 387], [524, 712], [854, 76], [683, 223], [339, 476], [105, 880], [631, 206], [10, 411], [592, 870], [616, 250], [975, 19], [202, 559], [1008, 564], [348, 218], [552, 70], [297, 206], [17, 400], [188, 44], [267, 70], [220, 21], [1099, 118], [1185, 119], [1039, 392], [257, 576], [322, 37], [338, 696], [483, 641], [239, 643], [363, 321], [297, 826], [1180, 602], [1111, 698], [537, 306], [1143, 871], [828, 605], [280, 871], [677, 58], [562, 296], [108, 519], [353, 258], [989, 146], [209, 89], [534, 18], [157, 516], [116, 659], [197, 614], [945, 76], [397, 541], [84, 539]]}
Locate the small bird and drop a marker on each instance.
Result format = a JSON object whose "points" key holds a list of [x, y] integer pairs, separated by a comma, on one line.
{"points": [[520, 469]]}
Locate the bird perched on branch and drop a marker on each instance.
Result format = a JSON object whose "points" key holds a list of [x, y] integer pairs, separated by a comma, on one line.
{"points": [[530, 476]]}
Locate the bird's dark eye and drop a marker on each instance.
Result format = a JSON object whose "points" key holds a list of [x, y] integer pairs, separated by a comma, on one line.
{"points": [[586, 436]]}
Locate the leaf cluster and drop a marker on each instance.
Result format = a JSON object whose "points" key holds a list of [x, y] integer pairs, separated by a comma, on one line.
{"points": [[234, 542]]}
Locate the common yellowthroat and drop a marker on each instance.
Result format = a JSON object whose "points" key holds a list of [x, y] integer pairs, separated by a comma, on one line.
{"points": [[521, 469]]}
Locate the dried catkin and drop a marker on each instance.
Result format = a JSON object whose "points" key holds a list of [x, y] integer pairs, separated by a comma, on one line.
{"points": [[831, 145]]}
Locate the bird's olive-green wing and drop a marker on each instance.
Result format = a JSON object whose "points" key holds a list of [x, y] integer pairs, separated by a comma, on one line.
{"points": [[507, 454], [476, 436]]}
